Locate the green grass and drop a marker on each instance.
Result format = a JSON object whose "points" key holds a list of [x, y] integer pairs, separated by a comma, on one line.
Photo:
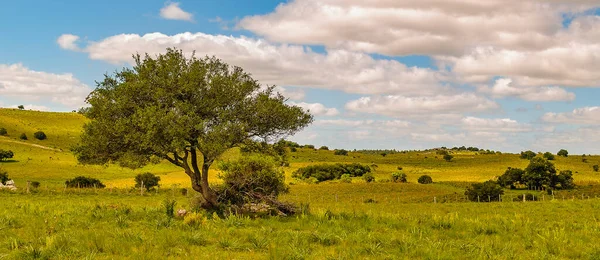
{"points": [[380, 220]]}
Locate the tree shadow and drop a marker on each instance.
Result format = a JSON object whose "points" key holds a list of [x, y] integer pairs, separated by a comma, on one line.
{"points": [[8, 161]]}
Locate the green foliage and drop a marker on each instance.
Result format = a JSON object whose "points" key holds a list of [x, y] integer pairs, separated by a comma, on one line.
{"points": [[448, 157], [425, 179], [35, 184], [596, 167], [563, 153], [84, 182], [511, 177], [181, 109], [548, 156], [21, 107], [40, 135], [309, 146], [325, 172], [563, 180], [250, 179], [148, 179], [23, 136], [527, 155], [293, 149], [368, 177], [539, 173], [399, 177], [4, 155], [346, 178], [169, 206], [340, 152], [277, 150], [324, 148], [3, 176], [3, 131], [484, 192]]}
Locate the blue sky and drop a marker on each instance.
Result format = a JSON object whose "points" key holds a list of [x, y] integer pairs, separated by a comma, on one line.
{"points": [[504, 75]]}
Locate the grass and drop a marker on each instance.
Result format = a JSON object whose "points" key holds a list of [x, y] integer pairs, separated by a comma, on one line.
{"points": [[380, 220]]}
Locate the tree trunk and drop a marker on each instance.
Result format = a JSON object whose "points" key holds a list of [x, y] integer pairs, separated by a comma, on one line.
{"points": [[209, 195]]}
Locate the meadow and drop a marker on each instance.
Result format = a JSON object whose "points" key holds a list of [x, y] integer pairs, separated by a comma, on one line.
{"points": [[380, 220]]}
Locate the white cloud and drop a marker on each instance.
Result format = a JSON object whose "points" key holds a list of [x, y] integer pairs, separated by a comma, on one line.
{"points": [[475, 124], [172, 11], [396, 106], [585, 115], [317, 109], [287, 65], [504, 87], [293, 94], [18, 81], [404, 27], [68, 42]]}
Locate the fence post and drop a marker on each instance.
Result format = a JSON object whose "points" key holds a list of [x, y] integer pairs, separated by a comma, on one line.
{"points": [[434, 200], [142, 188], [478, 198], [28, 183]]}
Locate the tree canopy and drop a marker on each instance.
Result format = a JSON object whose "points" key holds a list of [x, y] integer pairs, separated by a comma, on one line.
{"points": [[185, 110]]}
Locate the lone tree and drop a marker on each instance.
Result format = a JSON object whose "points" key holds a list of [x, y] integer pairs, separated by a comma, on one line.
{"points": [[187, 111], [563, 153]]}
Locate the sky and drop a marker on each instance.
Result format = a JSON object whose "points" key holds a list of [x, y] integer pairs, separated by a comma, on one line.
{"points": [[506, 75]]}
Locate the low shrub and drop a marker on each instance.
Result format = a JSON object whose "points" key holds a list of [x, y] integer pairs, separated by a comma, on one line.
{"points": [[84, 182], [3, 131], [425, 179], [325, 172], [3, 177], [399, 177], [4, 154], [345, 178], [23, 136], [40, 135], [448, 157], [368, 177], [596, 167], [35, 184]]}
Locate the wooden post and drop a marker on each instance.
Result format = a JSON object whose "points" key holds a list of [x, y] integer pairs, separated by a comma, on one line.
{"points": [[478, 198], [142, 188], [434, 200], [28, 183]]}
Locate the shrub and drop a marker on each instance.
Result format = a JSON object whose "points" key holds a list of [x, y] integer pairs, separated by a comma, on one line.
{"points": [[148, 179], [3, 131], [448, 157], [527, 155], [35, 184], [549, 156], [340, 152], [368, 177], [563, 153], [324, 148], [399, 168], [23, 136], [425, 179], [325, 172], [21, 107], [3, 177], [84, 182], [293, 149], [345, 178], [309, 146], [383, 154], [399, 177], [169, 206], [39, 135], [183, 191], [484, 192], [596, 167], [6, 154]]}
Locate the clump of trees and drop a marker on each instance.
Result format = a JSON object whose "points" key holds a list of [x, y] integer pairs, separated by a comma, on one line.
{"points": [[6, 154], [340, 152], [40, 135], [539, 174], [326, 172], [563, 153], [484, 192], [148, 180], [425, 179], [527, 155], [84, 182]]}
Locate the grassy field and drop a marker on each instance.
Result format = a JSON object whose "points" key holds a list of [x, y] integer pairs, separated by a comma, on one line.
{"points": [[348, 220]]}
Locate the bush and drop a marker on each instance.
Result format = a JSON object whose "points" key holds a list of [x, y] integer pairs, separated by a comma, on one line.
{"points": [[183, 191], [84, 182], [399, 177], [596, 167], [563, 153], [309, 146], [35, 184], [340, 152], [6, 154], [368, 177], [250, 179], [325, 172], [39, 135], [3, 131], [23, 136], [346, 178], [484, 192], [425, 179], [448, 157], [148, 179], [324, 148], [293, 149], [3, 177], [527, 155], [549, 156]]}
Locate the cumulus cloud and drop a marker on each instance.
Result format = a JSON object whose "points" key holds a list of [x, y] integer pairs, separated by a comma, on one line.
{"points": [[585, 116], [504, 87], [282, 64], [68, 42], [317, 109], [19, 81], [395, 106], [172, 11], [293, 94], [475, 124]]}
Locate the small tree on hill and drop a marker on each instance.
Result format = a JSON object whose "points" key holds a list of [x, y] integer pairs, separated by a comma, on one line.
{"points": [[399, 177], [563, 153], [484, 192], [527, 155], [549, 156], [448, 157], [148, 179], [340, 152], [425, 179], [21, 107], [3, 131], [4, 155], [324, 148], [39, 135], [539, 173], [23, 136]]}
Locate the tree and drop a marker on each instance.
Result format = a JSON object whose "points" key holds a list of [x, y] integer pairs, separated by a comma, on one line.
{"points": [[484, 192], [3, 177], [147, 179], [448, 157], [23, 136], [563, 153], [324, 148], [39, 135], [84, 182], [539, 173], [3, 131], [21, 107], [399, 177], [596, 167], [511, 177], [187, 111], [340, 152], [4, 154], [527, 155], [425, 179], [563, 180], [549, 156]]}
